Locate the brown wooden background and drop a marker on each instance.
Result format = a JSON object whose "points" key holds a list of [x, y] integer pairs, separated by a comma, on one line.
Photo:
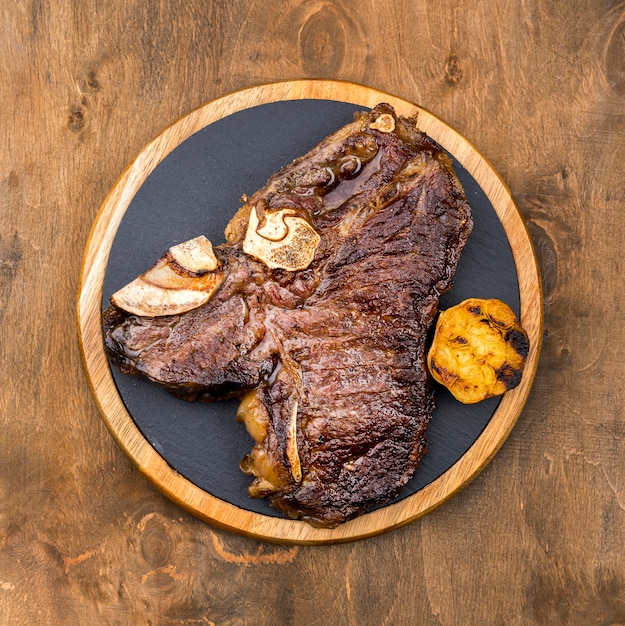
{"points": [[538, 537]]}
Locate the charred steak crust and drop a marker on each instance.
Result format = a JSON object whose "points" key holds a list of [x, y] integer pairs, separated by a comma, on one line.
{"points": [[330, 359]]}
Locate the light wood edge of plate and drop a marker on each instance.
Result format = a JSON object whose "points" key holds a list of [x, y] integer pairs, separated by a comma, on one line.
{"points": [[121, 424]]}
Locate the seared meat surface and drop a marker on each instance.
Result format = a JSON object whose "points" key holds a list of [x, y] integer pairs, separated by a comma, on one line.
{"points": [[329, 284]]}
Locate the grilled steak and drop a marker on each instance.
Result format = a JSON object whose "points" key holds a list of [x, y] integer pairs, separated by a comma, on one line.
{"points": [[316, 315]]}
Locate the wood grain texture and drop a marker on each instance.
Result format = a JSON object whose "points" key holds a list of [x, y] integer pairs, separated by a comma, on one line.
{"points": [[537, 538]]}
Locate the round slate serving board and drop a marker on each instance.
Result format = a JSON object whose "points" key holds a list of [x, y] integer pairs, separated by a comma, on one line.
{"points": [[187, 182]]}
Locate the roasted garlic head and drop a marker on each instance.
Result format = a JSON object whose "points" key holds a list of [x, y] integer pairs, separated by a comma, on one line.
{"points": [[479, 350]]}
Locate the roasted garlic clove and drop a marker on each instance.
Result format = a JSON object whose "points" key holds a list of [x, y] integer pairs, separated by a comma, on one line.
{"points": [[479, 350], [184, 278], [284, 240]]}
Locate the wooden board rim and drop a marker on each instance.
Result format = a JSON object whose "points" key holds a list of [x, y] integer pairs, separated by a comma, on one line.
{"points": [[120, 422]]}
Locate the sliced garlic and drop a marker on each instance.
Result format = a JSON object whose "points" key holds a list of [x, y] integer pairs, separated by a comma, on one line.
{"points": [[290, 244], [385, 123], [179, 281]]}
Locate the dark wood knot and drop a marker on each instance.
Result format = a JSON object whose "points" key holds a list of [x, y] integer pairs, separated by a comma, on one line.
{"points": [[76, 119], [453, 70], [322, 41]]}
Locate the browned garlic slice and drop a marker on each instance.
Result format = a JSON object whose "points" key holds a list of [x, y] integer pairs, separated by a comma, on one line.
{"points": [[284, 241], [184, 278], [385, 123]]}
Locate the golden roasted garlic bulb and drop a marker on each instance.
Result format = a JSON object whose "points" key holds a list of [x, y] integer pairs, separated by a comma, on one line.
{"points": [[479, 350]]}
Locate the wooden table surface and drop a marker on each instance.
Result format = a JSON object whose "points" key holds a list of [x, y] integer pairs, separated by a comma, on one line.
{"points": [[537, 538]]}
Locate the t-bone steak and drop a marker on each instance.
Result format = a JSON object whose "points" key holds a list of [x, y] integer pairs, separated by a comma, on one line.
{"points": [[315, 313]]}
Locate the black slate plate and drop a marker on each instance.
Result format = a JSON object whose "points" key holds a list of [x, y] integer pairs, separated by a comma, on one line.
{"points": [[195, 190]]}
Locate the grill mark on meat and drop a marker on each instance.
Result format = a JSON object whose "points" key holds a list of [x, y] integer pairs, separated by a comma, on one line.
{"points": [[336, 352]]}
